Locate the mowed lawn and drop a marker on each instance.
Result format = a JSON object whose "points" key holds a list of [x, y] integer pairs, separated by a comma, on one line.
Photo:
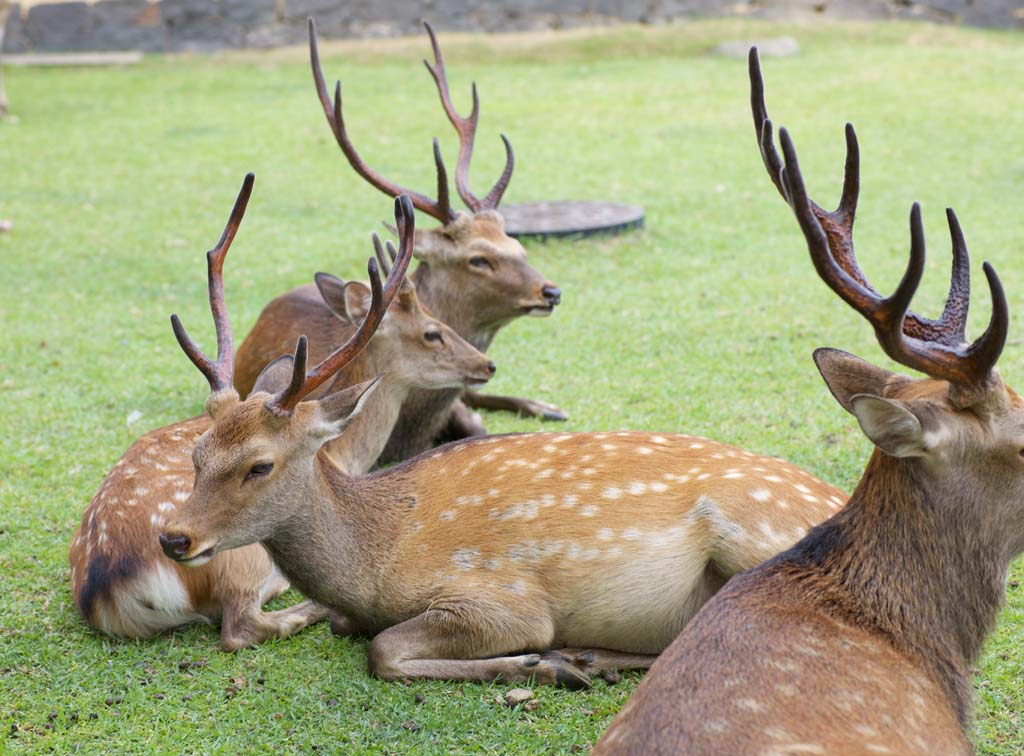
{"points": [[118, 181]]}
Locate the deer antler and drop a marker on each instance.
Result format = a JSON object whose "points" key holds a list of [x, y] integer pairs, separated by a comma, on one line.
{"points": [[935, 347], [439, 209], [302, 383], [466, 129], [221, 372]]}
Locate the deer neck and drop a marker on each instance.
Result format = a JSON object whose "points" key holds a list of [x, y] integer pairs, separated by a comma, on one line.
{"points": [[910, 563], [452, 311], [330, 546], [357, 449]]}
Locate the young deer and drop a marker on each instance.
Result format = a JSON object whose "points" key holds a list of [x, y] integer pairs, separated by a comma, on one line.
{"points": [[122, 583], [861, 636], [536, 555], [471, 275]]}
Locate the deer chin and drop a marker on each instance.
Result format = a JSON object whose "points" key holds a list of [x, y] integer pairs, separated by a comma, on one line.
{"points": [[200, 558], [475, 383], [538, 311]]}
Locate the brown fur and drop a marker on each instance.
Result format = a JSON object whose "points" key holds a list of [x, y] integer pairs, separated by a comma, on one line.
{"points": [[865, 630], [125, 586], [475, 302], [515, 545]]}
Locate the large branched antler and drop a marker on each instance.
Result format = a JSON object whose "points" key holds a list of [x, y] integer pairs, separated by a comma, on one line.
{"points": [[938, 348], [440, 208], [219, 373], [302, 382], [466, 129]]}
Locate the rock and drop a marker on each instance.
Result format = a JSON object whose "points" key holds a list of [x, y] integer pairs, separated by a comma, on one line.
{"points": [[774, 47], [518, 696], [128, 25], [60, 27]]}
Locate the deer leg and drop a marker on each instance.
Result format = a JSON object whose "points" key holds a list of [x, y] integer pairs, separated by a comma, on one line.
{"points": [[524, 407], [457, 643], [594, 661], [246, 624], [245, 580], [462, 423]]}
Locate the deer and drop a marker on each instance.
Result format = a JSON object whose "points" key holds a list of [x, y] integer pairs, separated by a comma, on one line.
{"points": [[861, 636], [545, 556], [123, 584], [471, 275]]}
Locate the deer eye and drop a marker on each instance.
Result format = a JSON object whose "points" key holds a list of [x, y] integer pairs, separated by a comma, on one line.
{"points": [[433, 336], [479, 261], [259, 470]]}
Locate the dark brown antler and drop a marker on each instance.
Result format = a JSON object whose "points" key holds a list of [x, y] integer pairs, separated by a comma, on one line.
{"points": [[302, 383], [382, 259], [218, 373], [838, 224], [439, 209], [935, 347], [466, 128]]}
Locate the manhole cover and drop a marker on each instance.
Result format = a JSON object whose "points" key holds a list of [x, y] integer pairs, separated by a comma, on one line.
{"points": [[569, 218]]}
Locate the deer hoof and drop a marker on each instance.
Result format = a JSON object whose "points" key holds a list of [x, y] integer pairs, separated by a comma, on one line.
{"points": [[569, 676]]}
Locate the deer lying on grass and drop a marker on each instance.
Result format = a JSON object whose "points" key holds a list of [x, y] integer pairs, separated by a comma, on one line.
{"points": [[471, 275], [122, 583], [861, 636], [546, 556]]}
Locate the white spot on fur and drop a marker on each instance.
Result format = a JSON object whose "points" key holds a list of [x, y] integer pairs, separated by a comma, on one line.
{"points": [[570, 500], [773, 478], [733, 475], [465, 559], [696, 446], [612, 492], [659, 487], [643, 450], [659, 440], [448, 514], [588, 511], [801, 488], [605, 534], [636, 488], [760, 494], [631, 534]]}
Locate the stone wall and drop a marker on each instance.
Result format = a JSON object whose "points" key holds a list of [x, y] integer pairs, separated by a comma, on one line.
{"points": [[177, 25]]}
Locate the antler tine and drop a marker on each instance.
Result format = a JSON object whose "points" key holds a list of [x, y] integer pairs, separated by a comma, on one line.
{"points": [[218, 373], [283, 403], [838, 225], [378, 251], [966, 367], [466, 129], [440, 209]]}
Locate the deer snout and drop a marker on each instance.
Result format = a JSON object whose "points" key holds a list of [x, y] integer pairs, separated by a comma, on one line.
{"points": [[491, 368], [551, 293], [175, 546]]}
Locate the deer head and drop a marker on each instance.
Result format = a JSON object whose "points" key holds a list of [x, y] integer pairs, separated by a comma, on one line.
{"points": [[470, 253], [424, 351], [260, 447], [951, 447]]}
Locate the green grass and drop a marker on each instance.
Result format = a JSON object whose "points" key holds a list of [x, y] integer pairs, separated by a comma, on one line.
{"points": [[117, 182]]}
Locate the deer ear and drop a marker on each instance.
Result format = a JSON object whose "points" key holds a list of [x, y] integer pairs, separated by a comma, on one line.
{"points": [[890, 425], [332, 289], [335, 411], [275, 376], [847, 375], [356, 301], [431, 244]]}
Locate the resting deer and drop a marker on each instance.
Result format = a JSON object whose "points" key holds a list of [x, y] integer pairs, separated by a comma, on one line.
{"points": [[546, 556], [471, 275], [122, 583], [861, 637]]}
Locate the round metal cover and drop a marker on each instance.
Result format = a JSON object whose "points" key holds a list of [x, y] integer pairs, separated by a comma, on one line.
{"points": [[569, 218]]}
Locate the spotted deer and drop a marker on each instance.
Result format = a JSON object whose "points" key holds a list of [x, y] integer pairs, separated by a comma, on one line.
{"points": [[544, 555], [122, 583], [471, 275], [860, 638]]}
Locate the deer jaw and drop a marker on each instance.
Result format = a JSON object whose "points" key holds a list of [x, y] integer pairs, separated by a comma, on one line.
{"points": [[253, 469], [476, 278]]}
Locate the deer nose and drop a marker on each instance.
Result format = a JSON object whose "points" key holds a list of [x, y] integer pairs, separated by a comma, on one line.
{"points": [[552, 294], [175, 546], [491, 367]]}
